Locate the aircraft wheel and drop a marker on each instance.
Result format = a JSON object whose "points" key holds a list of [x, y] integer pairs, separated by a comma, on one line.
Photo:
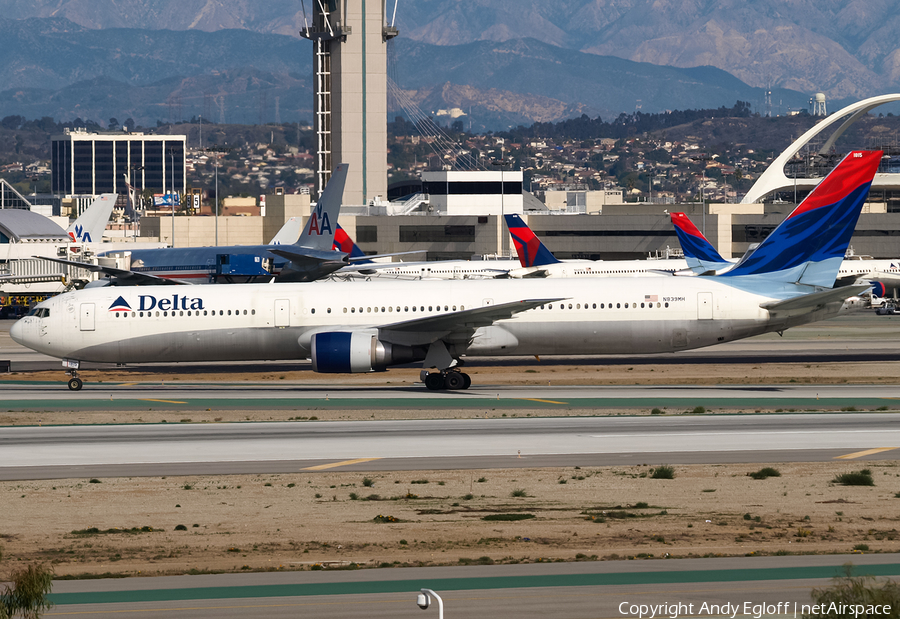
{"points": [[467, 381], [434, 381], [75, 384], [454, 380]]}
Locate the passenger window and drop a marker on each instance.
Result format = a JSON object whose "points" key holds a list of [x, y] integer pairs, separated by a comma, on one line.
{"points": [[253, 312], [345, 310], [667, 305], [642, 305], [165, 313], [313, 311], [352, 310], [328, 311], [618, 305]]}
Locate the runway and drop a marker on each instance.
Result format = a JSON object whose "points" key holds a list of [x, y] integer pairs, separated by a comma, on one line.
{"points": [[29, 396], [182, 449], [572, 590]]}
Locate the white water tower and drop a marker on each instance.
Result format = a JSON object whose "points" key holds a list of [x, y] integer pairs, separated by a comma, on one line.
{"points": [[818, 105]]}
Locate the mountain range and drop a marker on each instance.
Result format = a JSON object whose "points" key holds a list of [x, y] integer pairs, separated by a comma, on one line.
{"points": [[502, 61]]}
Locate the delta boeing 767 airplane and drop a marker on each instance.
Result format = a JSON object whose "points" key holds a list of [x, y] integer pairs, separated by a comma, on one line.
{"points": [[363, 327]]}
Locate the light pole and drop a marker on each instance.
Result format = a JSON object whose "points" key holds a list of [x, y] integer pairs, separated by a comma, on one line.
{"points": [[216, 150], [424, 601], [702, 159], [172, 159], [134, 193], [503, 241]]}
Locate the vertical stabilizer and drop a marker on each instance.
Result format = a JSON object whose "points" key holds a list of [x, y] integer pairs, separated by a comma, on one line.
{"points": [[320, 229], [343, 242], [532, 252], [699, 253], [809, 246], [289, 232], [90, 226]]}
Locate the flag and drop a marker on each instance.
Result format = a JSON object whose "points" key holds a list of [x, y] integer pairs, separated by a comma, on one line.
{"points": [[651, 297]]}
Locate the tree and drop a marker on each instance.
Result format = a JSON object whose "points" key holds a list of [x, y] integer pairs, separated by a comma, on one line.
{"points": [[28, 594]]}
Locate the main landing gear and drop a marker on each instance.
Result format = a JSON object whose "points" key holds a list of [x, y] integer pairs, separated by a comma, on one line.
{"points": [[447, 379]]}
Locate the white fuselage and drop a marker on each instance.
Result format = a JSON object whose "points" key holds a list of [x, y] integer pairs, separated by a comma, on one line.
{"points": [[607, 315]]}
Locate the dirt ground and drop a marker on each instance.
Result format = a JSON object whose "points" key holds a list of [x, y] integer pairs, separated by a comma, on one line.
{"points": [[331, 519], [306, 520]]}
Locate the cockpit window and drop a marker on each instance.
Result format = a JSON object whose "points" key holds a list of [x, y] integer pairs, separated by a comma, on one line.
{"points": [[33, 312], [40, 312]]}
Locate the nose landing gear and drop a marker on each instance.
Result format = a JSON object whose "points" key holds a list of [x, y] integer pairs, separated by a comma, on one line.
{"points": [[71, 365], [447, 379], [75, 383]]}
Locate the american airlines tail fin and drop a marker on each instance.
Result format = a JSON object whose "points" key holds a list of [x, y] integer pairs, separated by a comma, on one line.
{"points": [[319, 231], [532, 252], [809, 246], [343, 242], [698, 252], [90, 226]]}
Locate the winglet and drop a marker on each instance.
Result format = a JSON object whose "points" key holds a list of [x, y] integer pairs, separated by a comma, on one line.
{"points": [[343, 242], [532, 252], [320, 229], [90, 225], [698, 251], [809, 246]]}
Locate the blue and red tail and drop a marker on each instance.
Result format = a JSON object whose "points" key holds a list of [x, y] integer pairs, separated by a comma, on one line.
{"points": [[808, 246], [532, 252], [698, 252], [343, 242]]}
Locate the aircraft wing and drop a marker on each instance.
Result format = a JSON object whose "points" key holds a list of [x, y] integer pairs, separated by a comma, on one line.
{"points": [[430, 328], [809, 302], [128, 278]]}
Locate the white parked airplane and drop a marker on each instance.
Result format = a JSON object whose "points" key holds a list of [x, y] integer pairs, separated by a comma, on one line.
{"points": [[352, 327]]}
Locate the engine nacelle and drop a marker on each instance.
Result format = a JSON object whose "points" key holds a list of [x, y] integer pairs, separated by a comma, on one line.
{"points": [[348, 352]]}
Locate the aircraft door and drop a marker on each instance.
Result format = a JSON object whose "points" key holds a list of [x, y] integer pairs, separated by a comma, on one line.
{"points": [[87, 317], [704, 306], [282, 312]]}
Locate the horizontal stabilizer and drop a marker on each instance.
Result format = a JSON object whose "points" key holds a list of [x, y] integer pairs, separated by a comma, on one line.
{"points": [[124, 276], [810, 302]]}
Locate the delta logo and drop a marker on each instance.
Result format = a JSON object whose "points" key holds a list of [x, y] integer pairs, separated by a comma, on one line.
{"points": [[120, 305], [149, 302]]}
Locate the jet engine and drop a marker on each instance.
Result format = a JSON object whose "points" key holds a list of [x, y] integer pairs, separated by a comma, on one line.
{"points": [[346, 352]]}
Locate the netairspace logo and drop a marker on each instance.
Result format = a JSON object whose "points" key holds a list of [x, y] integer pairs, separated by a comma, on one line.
{"points": [[751, 609]]}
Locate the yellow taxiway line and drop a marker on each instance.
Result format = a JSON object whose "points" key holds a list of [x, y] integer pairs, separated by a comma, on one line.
{"points": [[860, 454], [322, 467]]}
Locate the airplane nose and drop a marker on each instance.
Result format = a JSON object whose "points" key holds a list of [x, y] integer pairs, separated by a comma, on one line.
{"points": [[17, 332]]}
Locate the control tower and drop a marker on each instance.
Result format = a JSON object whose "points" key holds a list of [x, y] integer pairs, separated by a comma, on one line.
{"points": [[350, 70]]}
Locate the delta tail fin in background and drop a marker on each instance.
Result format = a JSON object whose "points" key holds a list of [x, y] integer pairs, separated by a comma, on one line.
{"points": [[809, 246], [343, 242], [532, 252], [699, 253], [89, 227]]}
